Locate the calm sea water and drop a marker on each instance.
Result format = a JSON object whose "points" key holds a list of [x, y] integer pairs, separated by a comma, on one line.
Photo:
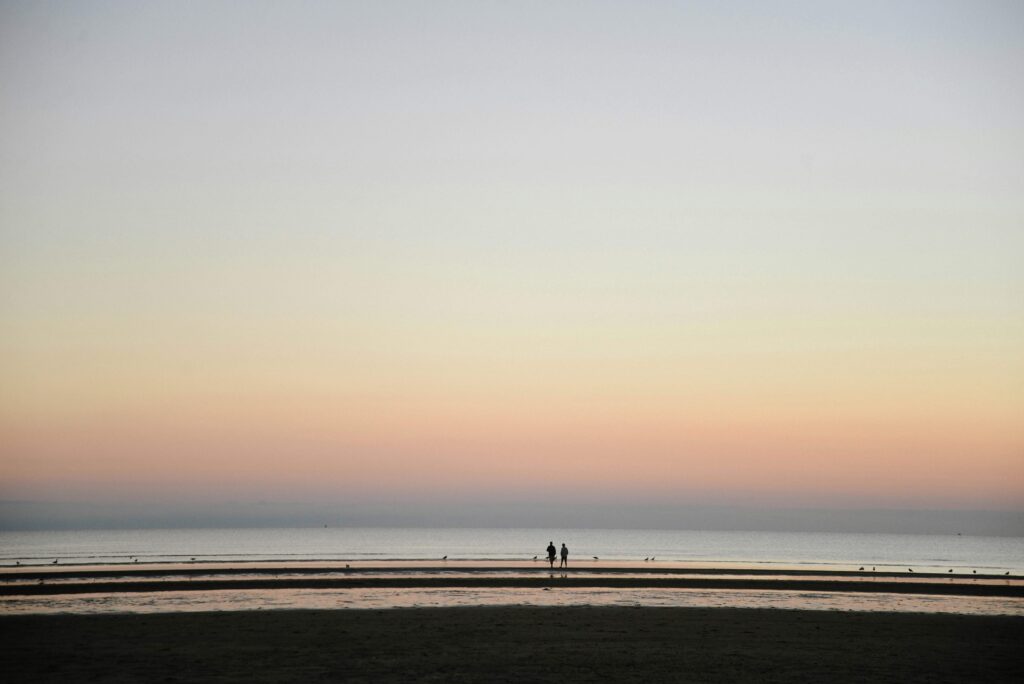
{"points": [[756, 549]]}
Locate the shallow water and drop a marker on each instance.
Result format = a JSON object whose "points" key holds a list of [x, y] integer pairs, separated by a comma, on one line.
{"points": [[925, 553], [281, 599]]}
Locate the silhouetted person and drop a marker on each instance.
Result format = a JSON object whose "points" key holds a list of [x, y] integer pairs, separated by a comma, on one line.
{"points": [[565, 556], [551, 554]]}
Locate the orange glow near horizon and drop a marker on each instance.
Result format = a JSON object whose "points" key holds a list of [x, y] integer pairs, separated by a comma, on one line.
{"points": [[791, 451]]}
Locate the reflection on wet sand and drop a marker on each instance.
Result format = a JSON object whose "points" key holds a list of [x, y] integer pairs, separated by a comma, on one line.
{"points": [[280, 599], [242, 575], [84, 579]]}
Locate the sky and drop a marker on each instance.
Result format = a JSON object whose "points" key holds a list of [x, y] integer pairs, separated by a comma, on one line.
{"points": [[514, 257]]}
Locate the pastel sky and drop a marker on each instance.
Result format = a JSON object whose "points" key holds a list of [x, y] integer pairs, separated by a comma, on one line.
{"points": [[725, 253]]}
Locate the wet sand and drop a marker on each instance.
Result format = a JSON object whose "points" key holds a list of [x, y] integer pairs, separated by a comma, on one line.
{"points": [[56, 580], [514, 644], [1009, 589]]}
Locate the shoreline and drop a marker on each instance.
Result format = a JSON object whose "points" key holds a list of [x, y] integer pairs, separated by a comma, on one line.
{"points": [[514, 644], [88, 570], [867, 585], [68, 580]]}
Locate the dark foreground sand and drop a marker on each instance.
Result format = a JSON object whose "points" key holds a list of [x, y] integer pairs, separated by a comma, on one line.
{"points": [[518, 644]]}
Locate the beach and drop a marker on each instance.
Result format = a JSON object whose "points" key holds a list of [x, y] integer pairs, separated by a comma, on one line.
{"points": [[205, 587], [505, 622], [256, 622], [514, 644]]}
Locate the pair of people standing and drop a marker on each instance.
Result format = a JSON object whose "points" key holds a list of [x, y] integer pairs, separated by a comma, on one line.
{"points": [[551, 555]]}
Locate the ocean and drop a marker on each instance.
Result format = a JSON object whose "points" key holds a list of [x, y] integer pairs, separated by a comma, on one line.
{"points": [[772, 550]]}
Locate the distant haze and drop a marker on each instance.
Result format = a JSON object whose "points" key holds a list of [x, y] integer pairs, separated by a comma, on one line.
{"points": [[64, 516], [610, 263]]}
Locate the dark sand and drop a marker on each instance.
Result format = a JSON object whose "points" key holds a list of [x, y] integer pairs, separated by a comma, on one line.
{"points": [[518, 644]]}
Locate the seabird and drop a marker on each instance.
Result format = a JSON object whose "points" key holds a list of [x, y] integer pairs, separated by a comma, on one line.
{"points": [[646, 559], [444, 558], [54, 561], [861, 568], [534, 558], [1007, 572], [951, 569], [596, 558], [910, 569]]}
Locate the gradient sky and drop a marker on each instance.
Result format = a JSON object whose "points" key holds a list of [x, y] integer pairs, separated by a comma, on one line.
{"points": [[718, 253]]}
